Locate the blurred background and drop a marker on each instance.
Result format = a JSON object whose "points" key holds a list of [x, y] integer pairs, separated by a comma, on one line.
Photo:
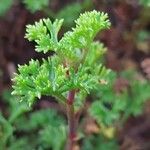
{"points": [[128, 44]]}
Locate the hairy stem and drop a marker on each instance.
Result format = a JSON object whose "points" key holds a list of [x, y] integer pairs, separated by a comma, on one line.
{"points": [[71, 121]]}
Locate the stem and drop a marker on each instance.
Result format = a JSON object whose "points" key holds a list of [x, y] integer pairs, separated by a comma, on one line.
{"points": [[71, 120]]}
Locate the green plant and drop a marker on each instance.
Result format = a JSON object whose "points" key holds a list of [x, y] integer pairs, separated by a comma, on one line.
{"points": [[34, 5], [145, 3], [4, 6], [44, 125], [72, 11], [112, 108], [6, 124], [67, 75], [99, 142], [31, 5], [69, 12]]}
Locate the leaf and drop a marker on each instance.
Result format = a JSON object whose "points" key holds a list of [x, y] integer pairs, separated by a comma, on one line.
{"points": [[6, 131], [34, 5], [44, 33], [5, 6]]}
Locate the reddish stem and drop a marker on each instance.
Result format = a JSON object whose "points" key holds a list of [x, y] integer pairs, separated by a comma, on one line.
{"points": [[71, 120], [70, 98]]}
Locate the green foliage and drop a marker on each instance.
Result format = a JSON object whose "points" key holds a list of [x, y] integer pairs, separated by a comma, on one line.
{"points": [[44, 33], [5, 131], [114, 107], [51, 128], [136, 95], [36, 80], [76, 64], [109, 105], [34, 5], [72, 53], [16, 109], [6, 123], [31, 5], [69, 68], [31, 125], [145, 2], [142, 35], [81, 37], [53, 137], [19, 144], [4, 6], [71, 12], [40, 119], [99, 142]]}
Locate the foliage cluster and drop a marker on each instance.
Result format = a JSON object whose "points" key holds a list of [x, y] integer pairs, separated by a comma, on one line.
{"points": [[69, 12], [44, 125], [75, 65], [71, 66], [42, 128], [114, 108], [4, 6], [145, 3]]}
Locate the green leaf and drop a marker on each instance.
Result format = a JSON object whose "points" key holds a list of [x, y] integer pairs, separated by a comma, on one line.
{"points": [[44, 33], [6, 131], [34, 5], [87, 26], [5, 6], [35, 80], [53, 137], [98, 142], [70, 13]]}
